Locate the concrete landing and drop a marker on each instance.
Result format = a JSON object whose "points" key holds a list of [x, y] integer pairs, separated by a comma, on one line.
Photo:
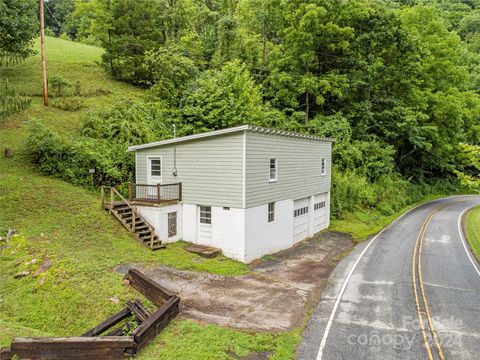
{"points": [[202, 250]]}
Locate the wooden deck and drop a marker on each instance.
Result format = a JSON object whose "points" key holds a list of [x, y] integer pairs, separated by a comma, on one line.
{"points": [[159, 194]]}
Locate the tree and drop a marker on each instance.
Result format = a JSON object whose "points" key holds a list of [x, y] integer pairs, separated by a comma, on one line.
{"points": [[302, 73], [223, 98], [56, 14], [18, 28], [169, 72]]}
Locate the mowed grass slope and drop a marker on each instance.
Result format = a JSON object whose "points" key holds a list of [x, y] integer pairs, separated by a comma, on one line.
{"points": [[473, 231], [64, 223]]}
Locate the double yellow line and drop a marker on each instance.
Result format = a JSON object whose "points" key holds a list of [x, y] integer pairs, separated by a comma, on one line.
{"points": [[417, 274]]}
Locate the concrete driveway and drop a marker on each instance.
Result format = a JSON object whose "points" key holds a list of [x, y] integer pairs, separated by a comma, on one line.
{"points": [[274, 297]]}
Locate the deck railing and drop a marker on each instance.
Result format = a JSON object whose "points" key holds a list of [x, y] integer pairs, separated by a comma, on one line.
{"points": [[157, 194]]}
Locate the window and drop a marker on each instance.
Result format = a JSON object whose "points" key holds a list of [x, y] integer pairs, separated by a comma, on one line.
{"points": [[273, 169], [156, 167], [271, 212], [205, 214], [324, 166], [300, 211], [319, 205]]}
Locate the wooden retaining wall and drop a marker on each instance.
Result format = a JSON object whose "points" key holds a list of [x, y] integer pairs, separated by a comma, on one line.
{"points": [[111, 345]]}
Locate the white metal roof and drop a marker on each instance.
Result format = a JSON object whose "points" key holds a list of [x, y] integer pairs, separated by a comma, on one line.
{"points": [[258, 129]]}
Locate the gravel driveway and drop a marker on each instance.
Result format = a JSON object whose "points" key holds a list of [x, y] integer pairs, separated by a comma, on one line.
{"points": [[274, 297]]}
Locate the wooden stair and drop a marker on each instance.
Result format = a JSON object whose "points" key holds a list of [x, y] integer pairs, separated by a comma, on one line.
{"points": [[126, 213]]}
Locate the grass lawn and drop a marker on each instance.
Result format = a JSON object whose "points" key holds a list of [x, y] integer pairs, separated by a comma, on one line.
{"points": [[473, 231]]}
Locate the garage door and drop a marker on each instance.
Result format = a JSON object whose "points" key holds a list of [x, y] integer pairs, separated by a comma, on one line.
{"points": [[300, 219], [319, 212]]}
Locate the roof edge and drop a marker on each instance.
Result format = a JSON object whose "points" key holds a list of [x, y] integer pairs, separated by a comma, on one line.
{"points": [[253, 128]]}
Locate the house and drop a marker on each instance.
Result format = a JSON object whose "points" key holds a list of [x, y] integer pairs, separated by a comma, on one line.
{"points": [[247, 190]]}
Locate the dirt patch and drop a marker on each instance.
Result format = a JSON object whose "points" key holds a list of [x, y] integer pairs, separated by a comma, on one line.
{"points": [[274, 297]]}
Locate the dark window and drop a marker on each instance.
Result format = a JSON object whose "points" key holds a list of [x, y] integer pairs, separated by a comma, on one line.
{"points": [[273, 169], [301, 211], [319, 205], [324, 166], [156, 167], [271, 212], [205, 214]]}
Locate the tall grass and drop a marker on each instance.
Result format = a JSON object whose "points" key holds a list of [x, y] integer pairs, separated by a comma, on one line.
{"points": [[352, 192]]}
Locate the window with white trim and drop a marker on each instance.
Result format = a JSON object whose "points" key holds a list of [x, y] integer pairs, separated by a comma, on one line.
{"points": [[319, 205], [272, 169], [156, 167], [271, 212], [205, 214], [324, 166], [300, 211]]}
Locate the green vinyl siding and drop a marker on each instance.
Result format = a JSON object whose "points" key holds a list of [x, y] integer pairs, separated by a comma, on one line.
{"points": [[210, 169], [299, 168]]}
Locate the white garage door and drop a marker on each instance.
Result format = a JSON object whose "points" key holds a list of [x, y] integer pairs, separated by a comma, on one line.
{"points": [[300, 219], [319, 212]]}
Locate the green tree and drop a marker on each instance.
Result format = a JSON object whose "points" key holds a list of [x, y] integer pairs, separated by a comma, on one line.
{"points": [[302, 75], [56, 14], [169, 72], [223, 98], [18, 28]]}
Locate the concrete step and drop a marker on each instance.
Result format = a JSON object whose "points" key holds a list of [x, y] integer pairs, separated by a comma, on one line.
{"points": [[204, 251]]}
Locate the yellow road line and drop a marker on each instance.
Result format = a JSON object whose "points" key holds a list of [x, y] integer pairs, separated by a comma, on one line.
{"points": [[422, 288], [415, 291]]}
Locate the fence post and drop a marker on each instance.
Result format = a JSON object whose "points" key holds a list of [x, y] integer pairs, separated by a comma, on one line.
{"points": [[102, 192], [151, 238], [158, 192], [133, 219], [112, 199]]}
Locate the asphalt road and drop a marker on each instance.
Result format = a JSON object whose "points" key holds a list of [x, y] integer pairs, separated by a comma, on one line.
{"points": [[371, 308]]}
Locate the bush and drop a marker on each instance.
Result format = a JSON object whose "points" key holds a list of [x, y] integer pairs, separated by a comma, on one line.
{"points": [[10, 102], [57, 85], [68, 104], [71, 159], [132, 123], [352, 192]]}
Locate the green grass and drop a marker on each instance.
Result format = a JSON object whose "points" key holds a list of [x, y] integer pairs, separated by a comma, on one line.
{"points": [[363, 224], [472, 222], [213, 342], [64, 223]]}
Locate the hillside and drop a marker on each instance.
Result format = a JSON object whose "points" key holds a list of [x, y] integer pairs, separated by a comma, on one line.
{"points": [[64, 224]]}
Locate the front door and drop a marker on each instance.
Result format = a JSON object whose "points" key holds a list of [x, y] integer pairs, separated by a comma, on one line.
{"points": [[205, 225], [154, 171]]}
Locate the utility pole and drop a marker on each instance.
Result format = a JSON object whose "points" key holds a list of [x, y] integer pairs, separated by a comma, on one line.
{"points": [[44, 61]]}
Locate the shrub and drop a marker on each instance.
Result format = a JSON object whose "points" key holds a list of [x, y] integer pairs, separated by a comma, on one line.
{"points": [[71, 159], [68, 104], [132, 123], [58, 85], [10, 102]]}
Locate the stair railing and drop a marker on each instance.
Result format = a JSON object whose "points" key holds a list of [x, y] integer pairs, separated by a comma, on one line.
{"points": [[110, 206]]}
